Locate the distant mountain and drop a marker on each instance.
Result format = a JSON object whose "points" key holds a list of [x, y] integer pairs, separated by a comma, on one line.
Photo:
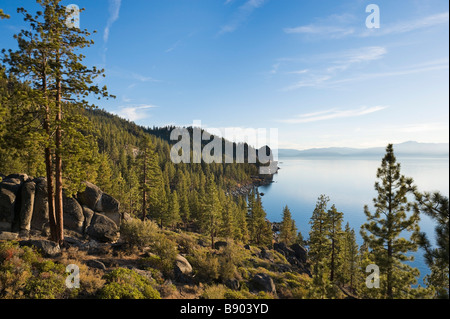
{"points": [[409, 149]]}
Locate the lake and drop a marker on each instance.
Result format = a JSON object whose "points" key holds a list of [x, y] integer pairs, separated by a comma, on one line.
{"points": [[349, 182]]}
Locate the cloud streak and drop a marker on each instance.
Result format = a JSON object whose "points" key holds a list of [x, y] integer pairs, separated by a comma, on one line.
{"points": [[134, 113], [403, 27], [339, 63], [114, 10], [333, 114], [241, 15], [333, 27]]}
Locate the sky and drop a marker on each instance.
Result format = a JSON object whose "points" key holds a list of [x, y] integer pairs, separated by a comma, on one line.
{"points": [[313, 70]]}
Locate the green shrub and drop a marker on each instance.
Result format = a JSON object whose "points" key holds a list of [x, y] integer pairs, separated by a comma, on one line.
{"points": [[215, 292], [205, 265], [25, 274], [124, 283], [167, 252], [138, 233]]}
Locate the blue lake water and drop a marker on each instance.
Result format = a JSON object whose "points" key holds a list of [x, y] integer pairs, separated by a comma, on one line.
{"points": [[349, 182]]}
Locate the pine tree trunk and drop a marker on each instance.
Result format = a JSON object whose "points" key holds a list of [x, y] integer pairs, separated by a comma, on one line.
{"points": [[49, 165], [389, 272], [59, 191], [144, 185], [50, 194], [332, 261], [58, 166]]}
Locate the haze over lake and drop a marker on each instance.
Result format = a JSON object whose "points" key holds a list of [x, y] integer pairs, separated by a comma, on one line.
{"points": [[349, 182]]}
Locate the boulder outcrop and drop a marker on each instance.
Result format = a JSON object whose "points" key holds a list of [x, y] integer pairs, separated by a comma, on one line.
{"points": [[24, 208]]}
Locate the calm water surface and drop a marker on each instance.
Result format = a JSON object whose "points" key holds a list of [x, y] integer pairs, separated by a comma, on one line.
{"points": [[350, 185]]}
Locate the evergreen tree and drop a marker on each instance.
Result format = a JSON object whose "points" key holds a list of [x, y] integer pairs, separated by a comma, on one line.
{"points": [[288, 230], [48, 59], [260, 229], [183, 192], [320, 244], [436, 206], [351, 259], [228, 226], [241, 220], [383, 229], [210, 220], [335, 219], [153, 195], [173, 215]]}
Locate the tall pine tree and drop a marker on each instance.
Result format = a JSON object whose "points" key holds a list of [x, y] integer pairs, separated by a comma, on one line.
{"points": [[48, 58], [288, 230], [386, 227]]}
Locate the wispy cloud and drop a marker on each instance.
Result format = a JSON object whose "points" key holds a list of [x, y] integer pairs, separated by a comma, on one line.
{"points": [[331, 31], [241, 15], [298, 71], [333, 114], [335, 64], [403, 27], [342, 26], [436, 65], [114, 10], [134, 113], [334, 26]]}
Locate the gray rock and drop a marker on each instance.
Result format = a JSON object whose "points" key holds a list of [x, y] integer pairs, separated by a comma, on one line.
{"points": [[300, 253], [182, 266], [266, 254], [88, 214], [73, 242], [7, 202], [8, 235], [13, 185], [40, 212], [283, 249], [21, 177], [27, 205], [90, 196], [47, 248], [233, 284], [96, 264], [103, 229], [73, 214], [263, 282], [107, 204]]}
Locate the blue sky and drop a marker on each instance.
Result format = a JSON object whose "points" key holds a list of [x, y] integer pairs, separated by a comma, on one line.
{"points": [[311, 69]]}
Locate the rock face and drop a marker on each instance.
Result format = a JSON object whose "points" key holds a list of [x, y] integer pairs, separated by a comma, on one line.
{"points": [[296, 255], [90, 196], [27, 205], [39, 221], [7, 202], [264, 282], [73, 214], [103, 229], [24, 207], [182, 266]]}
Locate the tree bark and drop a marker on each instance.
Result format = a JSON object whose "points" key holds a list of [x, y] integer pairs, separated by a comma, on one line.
{"points": [[144, 186], [49, 161], [58, 165]]}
